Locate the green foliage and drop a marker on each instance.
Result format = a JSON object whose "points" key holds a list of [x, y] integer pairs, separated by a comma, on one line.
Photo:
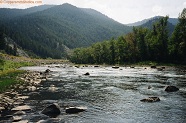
{"points": [[178, 40], [138, 46], [10, 65], [8, 78], [8, 73]]}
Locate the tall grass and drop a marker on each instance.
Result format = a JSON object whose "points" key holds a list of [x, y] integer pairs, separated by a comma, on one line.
{"points": [[9, 73], [9, 78], [10, 65]]}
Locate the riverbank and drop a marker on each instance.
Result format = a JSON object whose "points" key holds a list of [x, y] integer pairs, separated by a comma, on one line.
{"points": [[9, 73], [12, 101], [9, 65]]}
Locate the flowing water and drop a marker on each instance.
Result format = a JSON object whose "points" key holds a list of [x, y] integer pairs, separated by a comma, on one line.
{"points": [[110, 95]]}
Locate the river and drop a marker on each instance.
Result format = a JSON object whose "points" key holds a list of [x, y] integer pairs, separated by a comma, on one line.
{"points": [[110, 95]]}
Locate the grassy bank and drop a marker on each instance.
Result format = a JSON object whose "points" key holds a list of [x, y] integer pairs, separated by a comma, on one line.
{"points": [[9, 73], [9, 78], [6, 65]]}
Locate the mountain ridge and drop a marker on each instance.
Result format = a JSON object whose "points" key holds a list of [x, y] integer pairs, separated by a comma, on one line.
{"points": [[48, 32], [174, 21]]}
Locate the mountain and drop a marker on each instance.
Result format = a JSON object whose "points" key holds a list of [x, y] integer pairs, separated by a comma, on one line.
{"points": [[149, 24], [49, 31], [173, 21], [8, 14]]}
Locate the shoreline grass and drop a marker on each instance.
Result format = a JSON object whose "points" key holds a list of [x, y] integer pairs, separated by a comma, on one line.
{"points": [[9, 78], [9, 73]]}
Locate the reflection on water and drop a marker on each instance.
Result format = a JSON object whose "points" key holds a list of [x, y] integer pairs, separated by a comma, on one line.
{"points": [[111, 95]]}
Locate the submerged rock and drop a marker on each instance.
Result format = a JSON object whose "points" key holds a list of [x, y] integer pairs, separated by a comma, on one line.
{"points": [[52, 110], [75, 110], [171, 89], [151, 99], [52, 88]]}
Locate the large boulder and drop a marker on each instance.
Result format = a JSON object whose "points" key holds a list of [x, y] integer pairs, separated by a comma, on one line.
{"points": [[52, 110], [171, 89], [75, 110], [151, 99]]}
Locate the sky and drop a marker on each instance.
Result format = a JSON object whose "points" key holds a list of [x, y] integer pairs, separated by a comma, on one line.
{"points": [[123, 11]]}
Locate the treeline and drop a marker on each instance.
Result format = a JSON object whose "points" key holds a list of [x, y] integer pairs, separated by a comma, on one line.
{"points": [[141, 44]]}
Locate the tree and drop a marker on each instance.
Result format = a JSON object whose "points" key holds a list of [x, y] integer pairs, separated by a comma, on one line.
{"points": [[15, 50], [112, 52], [157, 41], [120, 50], [2, 42], [177, 46], [140, 36]]}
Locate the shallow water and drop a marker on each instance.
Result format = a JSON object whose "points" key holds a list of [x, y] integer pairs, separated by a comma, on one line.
{"points": [[110, 95]]}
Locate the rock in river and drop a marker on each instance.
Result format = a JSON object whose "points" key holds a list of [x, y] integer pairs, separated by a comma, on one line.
{"points": [[52, 110], [171, 89], [87, 74], [115, 67], [151, 99], [75, 110], [47, 71], [153, 66]]}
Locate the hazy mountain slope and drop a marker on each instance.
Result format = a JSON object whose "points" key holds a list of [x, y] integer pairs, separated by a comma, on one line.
{"points": [[149, 24], [173, 21]]}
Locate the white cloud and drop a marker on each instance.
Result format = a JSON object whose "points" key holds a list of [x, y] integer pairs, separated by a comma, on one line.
{"points": [[184, 4], [157, 9]]}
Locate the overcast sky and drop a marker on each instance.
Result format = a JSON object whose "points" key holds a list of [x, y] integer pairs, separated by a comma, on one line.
{"points": [[123, 11]]}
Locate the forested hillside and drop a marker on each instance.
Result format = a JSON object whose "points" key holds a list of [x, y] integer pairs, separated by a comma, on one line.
{"points": [[142, 44], [148, 23], [51, 31], [8, 14]]}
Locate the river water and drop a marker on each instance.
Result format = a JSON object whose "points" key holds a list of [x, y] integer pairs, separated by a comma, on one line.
{"points": [[110, 95]]}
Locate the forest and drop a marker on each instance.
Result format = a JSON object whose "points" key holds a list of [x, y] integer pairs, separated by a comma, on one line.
{"points": [[142, 44], [50, 32]]}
